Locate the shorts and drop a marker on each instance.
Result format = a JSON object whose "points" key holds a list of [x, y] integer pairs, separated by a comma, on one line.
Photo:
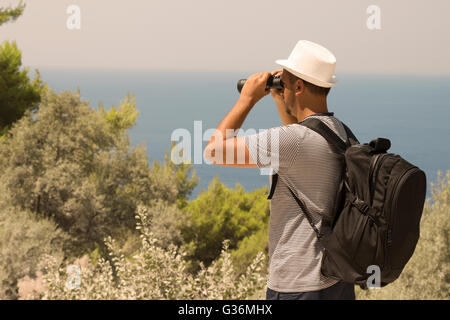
{"points": [[338, 291]]}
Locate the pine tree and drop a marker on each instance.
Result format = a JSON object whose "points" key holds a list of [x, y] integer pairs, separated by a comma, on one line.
{"points": [[17, 92], [11, 14]]}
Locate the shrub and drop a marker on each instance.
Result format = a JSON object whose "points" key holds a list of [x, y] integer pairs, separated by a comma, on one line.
{"points": [[154, 273], [23, 241]]}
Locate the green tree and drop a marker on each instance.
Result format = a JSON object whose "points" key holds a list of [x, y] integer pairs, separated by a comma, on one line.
{"points": [[185, 176], [10, 14], [18, 92], [72, 164], [120, 118], [221, 213]]}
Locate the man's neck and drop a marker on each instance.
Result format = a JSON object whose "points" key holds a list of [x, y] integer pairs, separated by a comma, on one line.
{"points": [[313, 108]]}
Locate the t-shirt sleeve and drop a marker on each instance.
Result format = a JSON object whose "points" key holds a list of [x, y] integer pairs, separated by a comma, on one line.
{"points": [[276, 147]]}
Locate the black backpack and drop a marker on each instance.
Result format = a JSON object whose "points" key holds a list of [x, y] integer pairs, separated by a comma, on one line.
{"points": [[377, 212]]}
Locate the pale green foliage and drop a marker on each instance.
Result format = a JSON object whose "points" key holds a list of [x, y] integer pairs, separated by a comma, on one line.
{"points": [[11, 14], [184, 181], [68, 164], [155, 273], [166, 220], [427, 274], [23, 241], [122, 118]]}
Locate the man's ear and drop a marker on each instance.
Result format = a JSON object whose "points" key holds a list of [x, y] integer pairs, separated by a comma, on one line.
{"points": [[299, 87]]}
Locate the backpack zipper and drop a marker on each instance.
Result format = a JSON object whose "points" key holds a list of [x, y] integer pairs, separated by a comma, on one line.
{"points": [[373, 175], [394, 191], [391, 217]]}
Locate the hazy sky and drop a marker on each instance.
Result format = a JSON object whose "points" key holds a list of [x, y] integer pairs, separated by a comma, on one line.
{"points": [[233, 35]]}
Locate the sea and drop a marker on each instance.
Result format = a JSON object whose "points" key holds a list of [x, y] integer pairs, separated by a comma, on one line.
{"points": [[413, 111]]}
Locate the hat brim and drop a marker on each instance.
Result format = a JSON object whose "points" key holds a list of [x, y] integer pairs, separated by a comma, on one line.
{"points": [[287, 65]]}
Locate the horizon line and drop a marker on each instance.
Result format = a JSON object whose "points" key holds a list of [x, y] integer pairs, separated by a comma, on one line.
{"points": [[145, 70]]}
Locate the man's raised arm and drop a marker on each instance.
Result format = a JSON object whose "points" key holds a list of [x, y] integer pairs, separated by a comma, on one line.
{"points": [[223, 141]]}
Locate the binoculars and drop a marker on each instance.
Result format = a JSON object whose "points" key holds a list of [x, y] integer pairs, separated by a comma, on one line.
{"points": [[273, 82]]}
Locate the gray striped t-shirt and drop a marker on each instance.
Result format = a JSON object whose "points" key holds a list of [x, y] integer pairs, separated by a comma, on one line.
{"points": [[305, 162]]}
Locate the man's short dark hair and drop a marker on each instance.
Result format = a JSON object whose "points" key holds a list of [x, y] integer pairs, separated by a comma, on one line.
{"points": [[321, 91]]}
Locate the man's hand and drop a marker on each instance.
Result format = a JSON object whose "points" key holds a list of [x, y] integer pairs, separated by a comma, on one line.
{"points": [[255, 87], [277, 94], [286, 116]]}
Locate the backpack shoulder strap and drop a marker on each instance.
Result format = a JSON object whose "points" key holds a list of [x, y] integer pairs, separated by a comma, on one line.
{"points": [[273, 185], [353, 140], [308, 216], [336, 143]]}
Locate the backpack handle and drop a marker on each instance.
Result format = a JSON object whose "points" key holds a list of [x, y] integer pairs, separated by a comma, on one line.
{"points": [[380, 144]]}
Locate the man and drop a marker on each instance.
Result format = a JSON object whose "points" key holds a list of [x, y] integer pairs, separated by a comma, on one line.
{"points": [[304, 162]]}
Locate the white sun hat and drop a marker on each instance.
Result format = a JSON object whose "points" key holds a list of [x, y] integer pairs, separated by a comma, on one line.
{"points": [[311, 62]]}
